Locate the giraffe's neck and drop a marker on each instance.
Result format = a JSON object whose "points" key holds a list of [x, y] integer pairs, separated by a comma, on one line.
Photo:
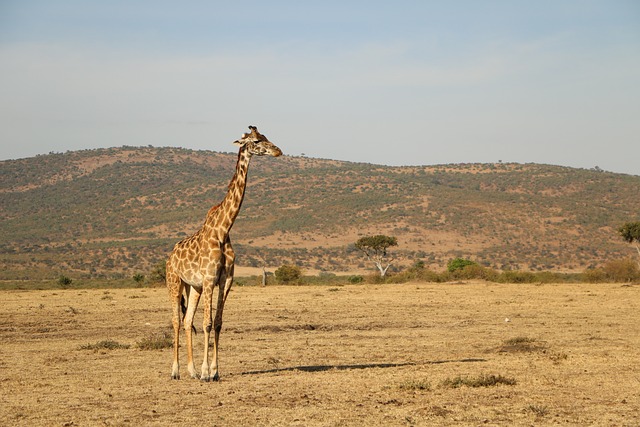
{"points": [[222, 217]]}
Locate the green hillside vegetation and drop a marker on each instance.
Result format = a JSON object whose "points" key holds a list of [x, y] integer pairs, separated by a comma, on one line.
{"points": [[117, 212]]}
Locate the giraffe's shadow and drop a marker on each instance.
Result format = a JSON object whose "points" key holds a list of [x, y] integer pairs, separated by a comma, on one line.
{"points": [[322, 368]]}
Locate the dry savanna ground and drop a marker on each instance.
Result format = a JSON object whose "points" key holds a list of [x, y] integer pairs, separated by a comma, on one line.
{"points": [[411, 354]]}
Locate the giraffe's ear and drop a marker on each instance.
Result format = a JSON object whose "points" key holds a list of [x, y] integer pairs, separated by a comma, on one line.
{"points": [[242, 140]]}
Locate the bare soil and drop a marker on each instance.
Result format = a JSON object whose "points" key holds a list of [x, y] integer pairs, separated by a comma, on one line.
{"points": [[331, 356]]}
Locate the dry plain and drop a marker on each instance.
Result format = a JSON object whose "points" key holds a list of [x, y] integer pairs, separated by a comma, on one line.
{"points": [[365, 355]]}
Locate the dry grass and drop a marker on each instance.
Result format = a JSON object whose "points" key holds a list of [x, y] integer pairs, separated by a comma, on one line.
{"points": [[415, 385], [156, 341], [521, 345], [310, 356], [105, 345], [482, 380]]}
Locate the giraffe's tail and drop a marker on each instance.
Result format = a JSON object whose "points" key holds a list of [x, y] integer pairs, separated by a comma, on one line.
{"points": [[183, 306]]}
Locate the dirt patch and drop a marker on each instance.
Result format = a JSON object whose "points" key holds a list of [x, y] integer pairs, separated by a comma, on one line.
{"points": [[367, 355]]}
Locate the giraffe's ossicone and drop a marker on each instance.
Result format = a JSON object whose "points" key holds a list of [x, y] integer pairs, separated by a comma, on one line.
{"points": [[205, 260]]}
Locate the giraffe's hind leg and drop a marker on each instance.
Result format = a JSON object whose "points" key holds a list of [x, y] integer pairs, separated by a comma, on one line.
{"points": [[193, 297], [175, 287]]}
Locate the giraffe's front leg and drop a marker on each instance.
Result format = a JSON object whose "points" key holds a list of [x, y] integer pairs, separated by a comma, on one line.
{"points": [[206, 326], [193, 295], [223, 292], [210, 284], [217, 327]]}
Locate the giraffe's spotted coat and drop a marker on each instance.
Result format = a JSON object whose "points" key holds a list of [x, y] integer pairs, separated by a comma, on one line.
{"points": [[205, 260]]}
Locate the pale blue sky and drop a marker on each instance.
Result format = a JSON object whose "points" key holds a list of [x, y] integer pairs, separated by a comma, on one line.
{"points": [[398, 83]]}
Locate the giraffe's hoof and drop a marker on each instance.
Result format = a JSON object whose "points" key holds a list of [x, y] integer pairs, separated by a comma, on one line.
{"points": [[175, 376], [216, 377]]}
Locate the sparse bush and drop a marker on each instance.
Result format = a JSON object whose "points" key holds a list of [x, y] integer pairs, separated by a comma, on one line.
{"points": [[549, 277], [418, 265], [325, 275], [520, 345], [479, 381], [105, 345], [138, 278], [594, 275], [287, 274], [415, 272], [415, 385], [556, 357], [156, 342], [355, 279], [622, 270], [159, 272], [538, 410], [475, 271], [393, 278], [64, 281], [519, 341], [513, 276], [430, 276]]}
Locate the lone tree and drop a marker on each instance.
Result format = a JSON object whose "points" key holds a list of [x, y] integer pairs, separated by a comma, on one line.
{"points": [[375, 248], [630, 232]]}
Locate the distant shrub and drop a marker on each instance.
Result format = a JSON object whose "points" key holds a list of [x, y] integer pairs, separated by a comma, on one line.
{"points": [[326, 275], [355, 279], [159, 272], [288, 274], [458, 264], [550, 277], [622, 270], [475, 271], [594, 275], [418, 265], [418, 271], [430, 276], [375, 279], [514, 276], [64, 281]]}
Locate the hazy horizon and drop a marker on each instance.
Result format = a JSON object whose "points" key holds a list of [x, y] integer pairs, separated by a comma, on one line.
{"points": [[303, 155]]}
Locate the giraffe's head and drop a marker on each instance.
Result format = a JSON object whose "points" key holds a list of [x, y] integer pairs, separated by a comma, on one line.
{"points": [[258, 144]]}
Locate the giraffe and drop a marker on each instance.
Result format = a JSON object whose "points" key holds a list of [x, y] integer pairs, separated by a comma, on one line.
{"points": [[205, 260]]}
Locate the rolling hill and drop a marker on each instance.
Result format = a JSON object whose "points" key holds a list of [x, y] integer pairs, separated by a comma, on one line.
{"points": [[118, 211]]}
